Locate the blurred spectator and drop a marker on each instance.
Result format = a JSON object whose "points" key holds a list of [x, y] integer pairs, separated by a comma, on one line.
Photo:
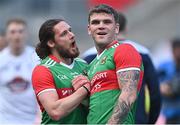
{"points": [[169, 75], [2, 41], [17, 100], [150, 78]]}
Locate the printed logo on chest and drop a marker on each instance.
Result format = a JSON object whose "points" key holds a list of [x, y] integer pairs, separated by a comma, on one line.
{"points": [[99, 77], [62, 77], [64, 92]]}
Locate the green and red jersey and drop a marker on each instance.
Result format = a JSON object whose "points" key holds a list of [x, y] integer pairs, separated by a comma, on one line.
{"points": [[53, 75], [105, 89]]}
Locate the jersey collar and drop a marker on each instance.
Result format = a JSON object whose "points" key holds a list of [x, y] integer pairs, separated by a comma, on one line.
{"points": [[60, 62], [107, 47], [111, 44], [54, 58]]}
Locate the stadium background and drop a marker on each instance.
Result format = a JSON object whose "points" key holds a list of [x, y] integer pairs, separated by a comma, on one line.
{"points": [[150, 22]]}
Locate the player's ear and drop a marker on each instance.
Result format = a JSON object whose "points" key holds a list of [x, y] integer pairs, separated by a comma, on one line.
{"points": [[51, 43], [89, 31], [117, 28]]}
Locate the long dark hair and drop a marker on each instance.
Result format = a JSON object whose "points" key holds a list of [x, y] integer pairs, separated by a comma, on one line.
{"points": [[46, 33]]}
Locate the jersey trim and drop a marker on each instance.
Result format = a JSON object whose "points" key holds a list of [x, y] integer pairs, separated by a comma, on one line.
{"points": [[127, 69], [81, 60], [45, 90], [49, 63], [68, 66], [99, 55]]}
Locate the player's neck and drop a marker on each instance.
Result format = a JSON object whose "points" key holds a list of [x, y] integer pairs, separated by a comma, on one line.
{"points": [[67, 61], [121, 36], [100, 49], [16, 52]]}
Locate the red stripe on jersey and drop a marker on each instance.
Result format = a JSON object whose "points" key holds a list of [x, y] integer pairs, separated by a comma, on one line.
{"points": [[64, 92], [105, 80]]}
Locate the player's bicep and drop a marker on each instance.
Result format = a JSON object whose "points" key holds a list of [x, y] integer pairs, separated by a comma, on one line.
{"points": [[128, 80], [48, 99]]}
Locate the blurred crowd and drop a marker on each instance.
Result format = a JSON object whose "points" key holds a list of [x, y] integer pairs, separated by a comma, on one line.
{"points": [[160, 96]]}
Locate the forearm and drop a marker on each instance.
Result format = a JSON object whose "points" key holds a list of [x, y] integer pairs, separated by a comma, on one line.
{"points": [[66, 105], [128, 81], [122, 107]]}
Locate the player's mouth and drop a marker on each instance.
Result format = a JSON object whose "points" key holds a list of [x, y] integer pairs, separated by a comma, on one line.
{"points": [[73, 44], [101, 33]]}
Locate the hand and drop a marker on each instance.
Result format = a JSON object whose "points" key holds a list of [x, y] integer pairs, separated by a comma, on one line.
{"points": [[80, 81]]}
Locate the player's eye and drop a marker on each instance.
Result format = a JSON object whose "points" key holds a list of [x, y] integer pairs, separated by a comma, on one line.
{"points": [[64, 33], [70, 30], [95, 22], [107, 21], [16, 31]]}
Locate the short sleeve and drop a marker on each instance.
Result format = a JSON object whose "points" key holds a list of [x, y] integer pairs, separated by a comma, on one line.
{"points": [[127, 57], [42, 80]]}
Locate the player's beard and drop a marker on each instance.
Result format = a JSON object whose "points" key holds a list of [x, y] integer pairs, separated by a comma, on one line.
{"points": [[67, 53]]}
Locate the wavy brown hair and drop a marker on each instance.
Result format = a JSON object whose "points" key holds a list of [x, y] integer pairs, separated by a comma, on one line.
{"points": [[46, 33]]}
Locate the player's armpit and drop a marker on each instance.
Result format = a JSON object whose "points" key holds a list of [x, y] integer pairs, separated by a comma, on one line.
{"points": [[128, 80]]}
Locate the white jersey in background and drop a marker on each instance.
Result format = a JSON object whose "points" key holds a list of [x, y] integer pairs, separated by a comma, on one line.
{"points": [[17, 100]]}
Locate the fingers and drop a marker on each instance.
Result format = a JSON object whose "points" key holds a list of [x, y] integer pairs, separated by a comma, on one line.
{"points": [[79, 81], [79, 77]]}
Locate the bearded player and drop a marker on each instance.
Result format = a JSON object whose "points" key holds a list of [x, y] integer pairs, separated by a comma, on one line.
{"points": [[59, 97]]}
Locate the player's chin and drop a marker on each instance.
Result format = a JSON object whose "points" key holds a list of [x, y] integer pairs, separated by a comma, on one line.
{"points": [[101, 41], [75, 53]]}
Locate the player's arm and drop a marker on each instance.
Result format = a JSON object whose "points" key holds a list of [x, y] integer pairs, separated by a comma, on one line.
{"points": [[56, 108], [128, 75], [128, 81]]}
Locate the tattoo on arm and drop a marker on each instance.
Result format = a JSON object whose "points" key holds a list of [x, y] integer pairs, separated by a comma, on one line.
{"points": [[128, 81]]}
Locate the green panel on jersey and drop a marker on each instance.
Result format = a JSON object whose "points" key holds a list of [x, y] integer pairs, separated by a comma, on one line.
{"points": [[63, 76], [104, 62], [104, 104]]}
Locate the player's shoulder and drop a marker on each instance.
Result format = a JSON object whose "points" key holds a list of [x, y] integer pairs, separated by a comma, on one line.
{"points": [[5, 51], [40, 69], [140, 48], [29, 49], [126, 50], [48, 62], [124, 47], [5, 55]]}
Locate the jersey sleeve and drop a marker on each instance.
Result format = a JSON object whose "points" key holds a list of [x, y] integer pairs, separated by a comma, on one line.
{"points": [[126, 57], [42, 80]]}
